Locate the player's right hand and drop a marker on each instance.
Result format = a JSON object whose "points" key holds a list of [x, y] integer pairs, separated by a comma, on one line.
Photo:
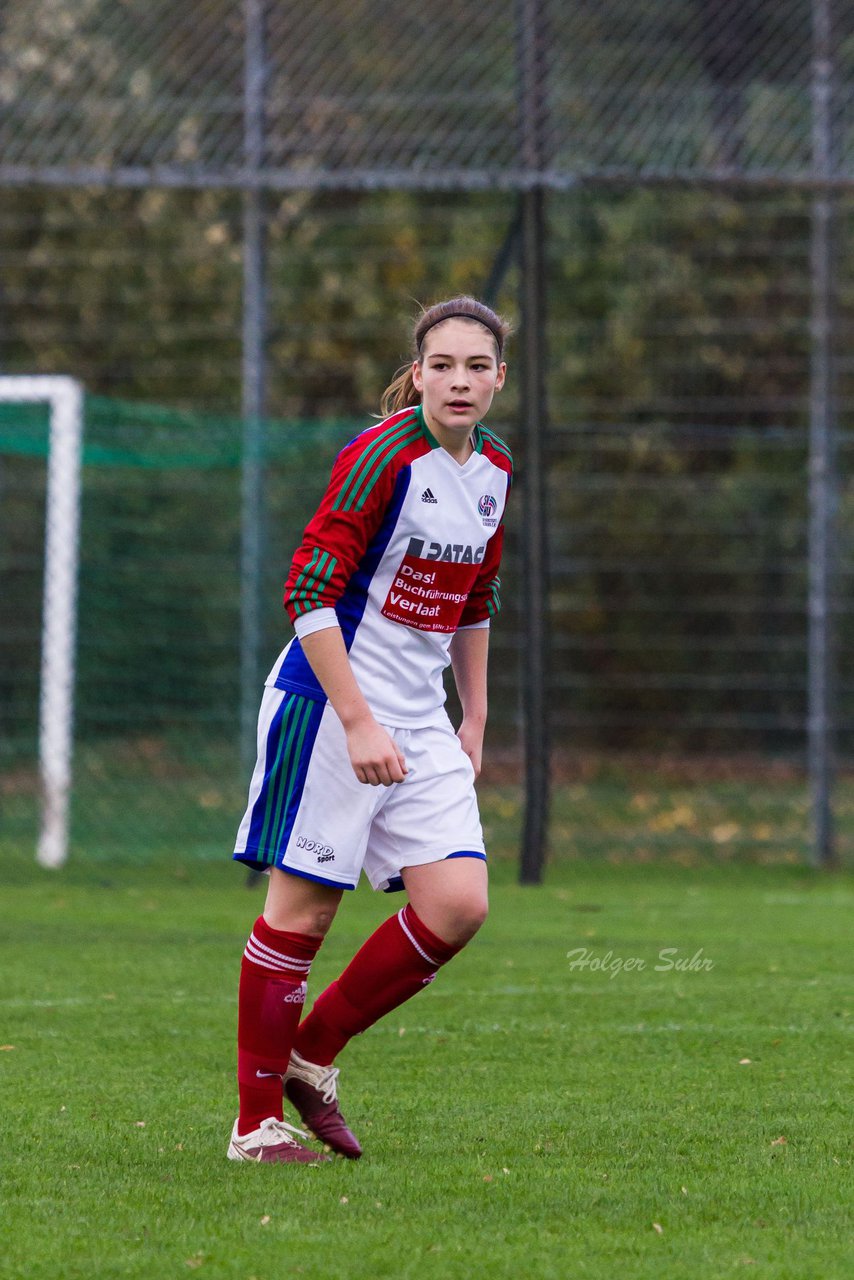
{"points": [[375, 757]]}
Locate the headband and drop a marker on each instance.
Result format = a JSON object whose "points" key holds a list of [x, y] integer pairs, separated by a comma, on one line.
{"points": [[461, 315]]}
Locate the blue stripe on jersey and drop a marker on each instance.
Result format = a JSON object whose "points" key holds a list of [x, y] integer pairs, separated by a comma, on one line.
{"points": [[290, 740], [351, 606], [295, 672]]}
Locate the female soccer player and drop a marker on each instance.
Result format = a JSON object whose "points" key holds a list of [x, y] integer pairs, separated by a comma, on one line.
{"points": [[358, 765]]}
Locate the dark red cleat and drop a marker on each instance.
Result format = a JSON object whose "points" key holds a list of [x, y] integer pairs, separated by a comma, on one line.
{"points": [[313, 1090]]}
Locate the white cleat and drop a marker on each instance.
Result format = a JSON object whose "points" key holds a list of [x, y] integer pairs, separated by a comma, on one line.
{"points": [[273, 1142]]}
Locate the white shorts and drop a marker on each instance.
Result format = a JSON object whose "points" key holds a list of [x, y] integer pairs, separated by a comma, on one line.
{"points": [[309, 814]]}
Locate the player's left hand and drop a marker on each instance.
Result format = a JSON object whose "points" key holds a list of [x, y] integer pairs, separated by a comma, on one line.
{"points": [[471, 739]]}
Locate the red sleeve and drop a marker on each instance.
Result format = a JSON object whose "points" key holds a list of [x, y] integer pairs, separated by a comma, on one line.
{"points": [[484, 598], [351, 512]]}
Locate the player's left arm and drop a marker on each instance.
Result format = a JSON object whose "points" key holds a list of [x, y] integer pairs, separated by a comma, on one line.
{"points": [[469, 653], [470, 645]]}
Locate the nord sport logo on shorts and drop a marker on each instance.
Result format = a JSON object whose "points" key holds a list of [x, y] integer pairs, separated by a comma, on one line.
{"points": [[323, 852]]}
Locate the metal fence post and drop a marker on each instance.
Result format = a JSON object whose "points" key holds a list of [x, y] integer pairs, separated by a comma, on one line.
{"points": [[822, 455], [254, 380], [532, 109]]}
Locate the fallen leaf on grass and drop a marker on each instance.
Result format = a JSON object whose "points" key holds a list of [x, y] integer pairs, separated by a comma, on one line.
{"points": [[487, 1177], [265, 1221], [779, 1142], [196, 1260], [656, 1226], [684, 1191]]}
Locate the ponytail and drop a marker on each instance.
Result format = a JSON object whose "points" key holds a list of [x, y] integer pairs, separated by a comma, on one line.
{"points": [[401, 392]]}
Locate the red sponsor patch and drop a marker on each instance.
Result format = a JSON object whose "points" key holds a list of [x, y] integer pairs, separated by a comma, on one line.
{"points": [[429, 595]]}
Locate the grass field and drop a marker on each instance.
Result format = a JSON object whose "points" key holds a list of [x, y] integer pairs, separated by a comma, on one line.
{"points": [[533, 1113]]}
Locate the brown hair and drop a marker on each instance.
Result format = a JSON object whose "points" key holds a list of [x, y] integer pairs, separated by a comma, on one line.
{"points": [[401, 392]]}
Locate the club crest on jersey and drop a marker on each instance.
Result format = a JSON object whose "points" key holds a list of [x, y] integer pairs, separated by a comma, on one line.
{"points": [[487, 506]]}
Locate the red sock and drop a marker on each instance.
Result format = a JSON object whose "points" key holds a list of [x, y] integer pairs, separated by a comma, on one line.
{"points": [[400, 958], [273, 979]]}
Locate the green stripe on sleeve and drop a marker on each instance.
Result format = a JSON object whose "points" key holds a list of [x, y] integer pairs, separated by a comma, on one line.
{"points": [[297, 589], [313, 581], [320, 581], [497, 443], [366, 461], [380, 468]]}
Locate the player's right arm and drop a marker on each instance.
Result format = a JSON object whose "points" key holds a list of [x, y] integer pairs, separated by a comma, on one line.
{"points": [[373, 754], [334, 543]]}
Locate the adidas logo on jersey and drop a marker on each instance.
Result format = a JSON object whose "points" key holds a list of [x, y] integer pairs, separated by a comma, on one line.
{"points": [[427, 496]]}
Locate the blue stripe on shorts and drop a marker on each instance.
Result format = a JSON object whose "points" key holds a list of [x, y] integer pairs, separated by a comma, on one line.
{"points": [[289, 745], [396, 885]]}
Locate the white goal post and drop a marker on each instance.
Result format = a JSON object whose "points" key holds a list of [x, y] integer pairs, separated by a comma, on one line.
{"points": [[64, 396]]}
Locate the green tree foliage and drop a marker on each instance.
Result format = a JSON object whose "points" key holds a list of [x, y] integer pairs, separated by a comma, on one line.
{"points": [[678, 346]]}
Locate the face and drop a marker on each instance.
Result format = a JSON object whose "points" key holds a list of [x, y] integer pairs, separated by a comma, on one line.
{"points": [[458, 375]]}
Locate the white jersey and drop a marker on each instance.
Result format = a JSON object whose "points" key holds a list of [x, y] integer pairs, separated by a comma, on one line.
{"points": [[405, 547]]}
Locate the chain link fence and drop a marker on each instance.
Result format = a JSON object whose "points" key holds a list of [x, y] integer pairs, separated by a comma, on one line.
{"points": [[687, 150], [363, 96], [678, 627]]}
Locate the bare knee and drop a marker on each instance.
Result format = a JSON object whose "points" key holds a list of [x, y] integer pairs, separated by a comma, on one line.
{"points": [[473, 915], [456, 921], [317, 921], [295, 905], [451, 897]]}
